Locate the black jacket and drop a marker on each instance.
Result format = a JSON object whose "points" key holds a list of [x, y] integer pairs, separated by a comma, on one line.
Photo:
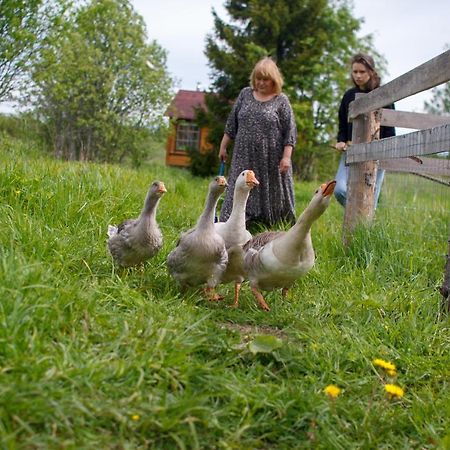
{"points": [[345, 127]]}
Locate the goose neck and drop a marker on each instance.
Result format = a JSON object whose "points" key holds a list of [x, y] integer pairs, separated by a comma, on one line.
{"points": [[206, 220], [239, 203]]}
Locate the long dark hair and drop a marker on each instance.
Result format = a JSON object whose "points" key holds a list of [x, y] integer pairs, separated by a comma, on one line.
{"points": [[368, 62]]}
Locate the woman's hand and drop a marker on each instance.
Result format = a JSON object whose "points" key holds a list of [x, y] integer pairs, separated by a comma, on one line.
{"points": [[285, 164], [223, 156], [341, 146]]}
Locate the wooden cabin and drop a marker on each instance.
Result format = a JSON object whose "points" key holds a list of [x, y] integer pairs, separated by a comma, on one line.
{"points": [[184, 132]]}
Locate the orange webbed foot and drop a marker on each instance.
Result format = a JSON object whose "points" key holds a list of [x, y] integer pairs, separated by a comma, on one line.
{"points": [[212, 295], [262, 303]]}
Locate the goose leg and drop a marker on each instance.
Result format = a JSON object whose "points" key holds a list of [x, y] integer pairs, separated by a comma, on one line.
{"points": [[260, 298], [237, 288], [212, 295]]}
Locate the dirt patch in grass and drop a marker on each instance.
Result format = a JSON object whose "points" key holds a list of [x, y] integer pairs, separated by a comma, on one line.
{"points": [[247, 330]]}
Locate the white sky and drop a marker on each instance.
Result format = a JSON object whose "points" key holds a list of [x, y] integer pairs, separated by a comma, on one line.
{"points": [[407, 32]]}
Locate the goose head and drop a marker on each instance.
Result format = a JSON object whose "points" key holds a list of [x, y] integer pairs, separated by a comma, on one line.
{"points": [[156, 191], [247, 180], [158, 188], [321, 199], [218, 185]]}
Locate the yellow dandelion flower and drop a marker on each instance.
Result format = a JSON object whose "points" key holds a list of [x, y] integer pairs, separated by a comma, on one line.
{"points": [[135, 417], [392, 373], [332, 390], [384, 364], [394, 391]]}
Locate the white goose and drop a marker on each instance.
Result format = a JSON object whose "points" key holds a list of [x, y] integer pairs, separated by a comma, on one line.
{"points": [[235, 233], [200, 256], [277, 259], [136, 240]]}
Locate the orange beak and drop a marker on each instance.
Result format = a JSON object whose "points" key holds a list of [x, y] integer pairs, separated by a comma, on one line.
{"points": [[250, 179], [162, 188], [328, 188]]}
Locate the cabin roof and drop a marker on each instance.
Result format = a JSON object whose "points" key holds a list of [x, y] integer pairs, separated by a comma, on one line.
{"points": [[184, 103]]}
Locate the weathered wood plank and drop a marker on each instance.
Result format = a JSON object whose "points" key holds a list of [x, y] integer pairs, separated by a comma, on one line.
{"points": [[423, 142], [435, 166], [405, 119], [428, 75]]}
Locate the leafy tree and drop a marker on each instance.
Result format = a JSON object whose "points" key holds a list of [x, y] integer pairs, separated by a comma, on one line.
{"points": [[98, 85], [22, 25], [311, 41], [440, 100]]}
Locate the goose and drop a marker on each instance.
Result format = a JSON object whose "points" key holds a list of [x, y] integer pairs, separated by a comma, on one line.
{"points": [[276, 259], [136, 240], [235, 233], [200, 256]]}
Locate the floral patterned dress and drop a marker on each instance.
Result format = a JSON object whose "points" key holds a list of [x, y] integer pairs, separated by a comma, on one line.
{"points": [[260, 131]]}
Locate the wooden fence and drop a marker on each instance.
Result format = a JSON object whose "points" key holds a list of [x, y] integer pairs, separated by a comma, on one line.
{"points": [[399, 153]]}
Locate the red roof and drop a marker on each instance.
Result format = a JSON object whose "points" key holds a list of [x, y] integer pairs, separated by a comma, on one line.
{"points": [[184, 104]]}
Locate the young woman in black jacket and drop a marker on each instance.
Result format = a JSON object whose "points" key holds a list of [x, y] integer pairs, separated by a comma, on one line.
{"points": [[365, 79]]}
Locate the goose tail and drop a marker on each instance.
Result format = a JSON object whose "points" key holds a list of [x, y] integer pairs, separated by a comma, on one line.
{"points": [[112, 230]]}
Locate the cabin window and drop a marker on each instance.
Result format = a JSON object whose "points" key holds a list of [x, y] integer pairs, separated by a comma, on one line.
{"points": [[188, 135]]}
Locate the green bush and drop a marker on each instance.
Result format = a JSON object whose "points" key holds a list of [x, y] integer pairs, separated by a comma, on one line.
{"points": [[203, 164]]}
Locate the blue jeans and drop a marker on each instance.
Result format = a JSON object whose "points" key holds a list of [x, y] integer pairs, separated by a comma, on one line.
{"points": [[340, 190]]}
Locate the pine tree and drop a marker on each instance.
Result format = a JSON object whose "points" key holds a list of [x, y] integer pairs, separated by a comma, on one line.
{"points": [[311, 41]]}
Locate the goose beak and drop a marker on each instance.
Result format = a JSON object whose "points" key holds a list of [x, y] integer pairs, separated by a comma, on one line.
{"points": [[328, 188], [162, 189], [250, 179]]}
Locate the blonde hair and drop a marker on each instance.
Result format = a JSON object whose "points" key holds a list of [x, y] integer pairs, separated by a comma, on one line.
{"points": [[266, 68]]}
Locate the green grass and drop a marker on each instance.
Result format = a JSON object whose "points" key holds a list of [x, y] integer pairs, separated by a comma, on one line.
{"points": [[92, 357]]}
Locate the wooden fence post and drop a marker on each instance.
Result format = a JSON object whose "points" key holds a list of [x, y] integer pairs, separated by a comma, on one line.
{"points": [[360, 202]]}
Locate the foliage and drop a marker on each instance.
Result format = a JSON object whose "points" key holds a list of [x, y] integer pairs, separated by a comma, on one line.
{"points": [[98, 85], [94, 357], [23, 24], [440, 101], [203, 164], [23, 126], [311, 40]]}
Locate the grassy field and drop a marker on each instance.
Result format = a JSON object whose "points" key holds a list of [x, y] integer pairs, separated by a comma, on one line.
{"points": [[96, 358]]}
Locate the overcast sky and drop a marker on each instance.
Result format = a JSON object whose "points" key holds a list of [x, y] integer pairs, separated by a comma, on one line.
{"points": [[407, 32]]}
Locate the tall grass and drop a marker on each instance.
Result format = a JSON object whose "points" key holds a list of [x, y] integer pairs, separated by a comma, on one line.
{"points": [[95, 357]]}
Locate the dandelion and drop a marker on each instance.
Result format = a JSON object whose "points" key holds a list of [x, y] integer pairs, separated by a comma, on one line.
{"points": [[385, 365], [392, 373], [332, 391], [394, 391], [135, 417]]}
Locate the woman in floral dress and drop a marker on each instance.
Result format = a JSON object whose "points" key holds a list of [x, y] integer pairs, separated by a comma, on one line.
{"points": [[262, 126]]}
